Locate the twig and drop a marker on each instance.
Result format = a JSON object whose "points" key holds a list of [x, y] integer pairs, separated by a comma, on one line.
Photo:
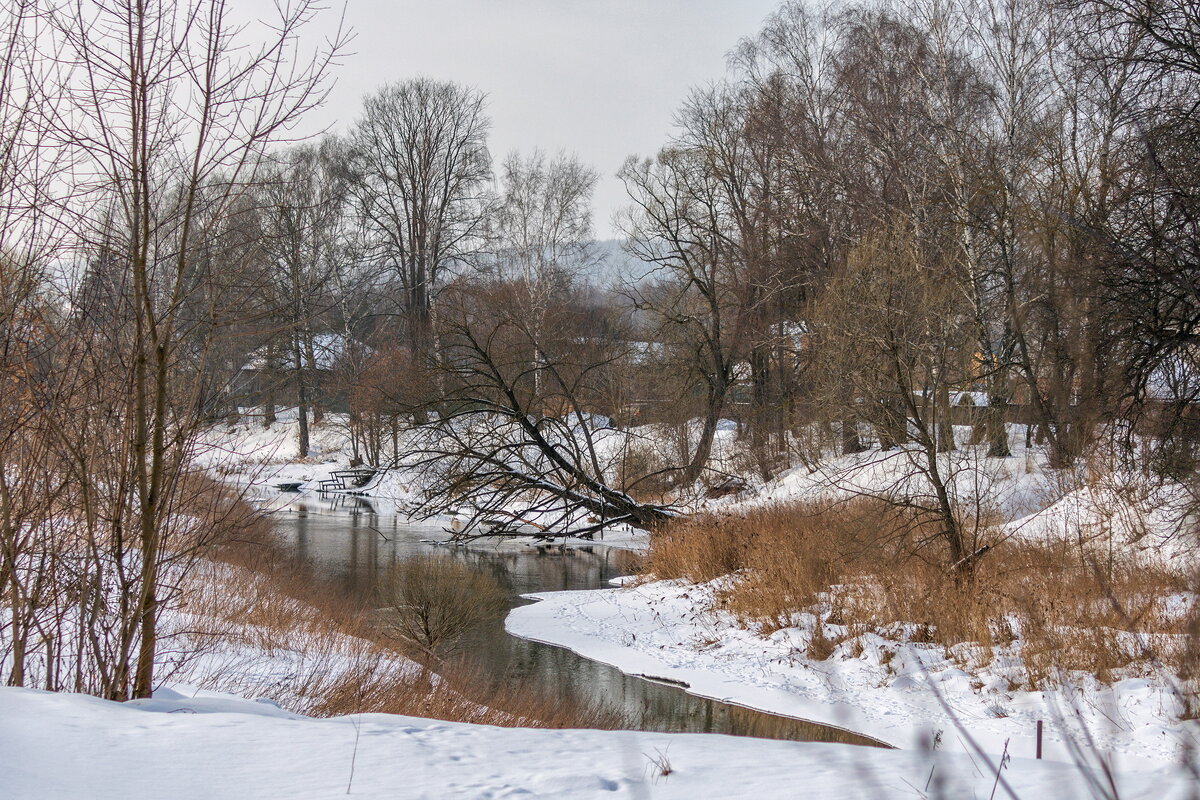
{"points": [[354, 755], [1003, 763]]}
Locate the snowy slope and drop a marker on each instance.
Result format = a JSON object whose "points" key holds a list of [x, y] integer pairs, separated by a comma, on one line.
{"points": [[218, 747], [666, 629]]}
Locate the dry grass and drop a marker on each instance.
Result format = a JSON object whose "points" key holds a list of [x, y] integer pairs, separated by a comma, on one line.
{"points": [[857, 565]]}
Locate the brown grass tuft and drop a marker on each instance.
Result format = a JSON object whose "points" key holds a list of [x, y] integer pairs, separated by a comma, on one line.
{"points": [[872, 567]]}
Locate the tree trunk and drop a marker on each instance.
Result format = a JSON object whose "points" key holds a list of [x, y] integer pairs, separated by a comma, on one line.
{"points": [[944, 422], [760, 426], [315, 393], [301, 400], [695, 467], [997, 428], [851, 443], [884, 434]]}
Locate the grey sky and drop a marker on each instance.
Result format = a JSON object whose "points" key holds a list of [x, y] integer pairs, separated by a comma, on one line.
{"points": [[601, 78]]}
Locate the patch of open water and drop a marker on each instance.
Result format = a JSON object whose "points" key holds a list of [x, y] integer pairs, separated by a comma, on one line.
{"points": [[352, 544]]}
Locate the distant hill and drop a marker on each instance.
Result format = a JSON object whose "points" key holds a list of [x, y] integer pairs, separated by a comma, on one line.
{"points": [[614, 265]]}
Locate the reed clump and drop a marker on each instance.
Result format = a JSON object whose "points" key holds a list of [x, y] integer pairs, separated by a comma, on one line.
{"points": [[868, 566]]}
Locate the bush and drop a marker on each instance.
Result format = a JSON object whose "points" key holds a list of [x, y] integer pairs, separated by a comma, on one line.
{"points": [[643, 472], [437, 600]]}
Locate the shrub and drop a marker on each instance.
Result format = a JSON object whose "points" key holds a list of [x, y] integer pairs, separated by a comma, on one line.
{"points": [[437, 600], [872, 567], [643, 472]]}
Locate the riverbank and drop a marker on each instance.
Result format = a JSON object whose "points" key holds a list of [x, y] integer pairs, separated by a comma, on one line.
{"points": [[906, 693], [806, 611], [1098, 504], [265, 621], [258, 458], [908, 699], [356, 550], [204, 745]]}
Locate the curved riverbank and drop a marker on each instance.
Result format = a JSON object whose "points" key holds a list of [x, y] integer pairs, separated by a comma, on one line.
{"points": [[910, 700], [353, 548]]}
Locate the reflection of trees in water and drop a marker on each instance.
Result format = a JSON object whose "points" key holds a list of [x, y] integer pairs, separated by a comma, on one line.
{"points": [[355, 550]]}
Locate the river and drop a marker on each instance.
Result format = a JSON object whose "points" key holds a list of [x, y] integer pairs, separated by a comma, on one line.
{"points": [[352, 544]]}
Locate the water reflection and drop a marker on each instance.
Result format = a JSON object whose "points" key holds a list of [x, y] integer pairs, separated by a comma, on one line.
{"points": [[353, 544]]}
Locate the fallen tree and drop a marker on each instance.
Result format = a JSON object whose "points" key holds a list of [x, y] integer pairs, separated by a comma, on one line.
{"points": [[512, 441]]}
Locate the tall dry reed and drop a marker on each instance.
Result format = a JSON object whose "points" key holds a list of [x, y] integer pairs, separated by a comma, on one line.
{"points": [[867, 566]]}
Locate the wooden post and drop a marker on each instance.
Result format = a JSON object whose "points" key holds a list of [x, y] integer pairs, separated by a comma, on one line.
{"points": [[1039, 738]]}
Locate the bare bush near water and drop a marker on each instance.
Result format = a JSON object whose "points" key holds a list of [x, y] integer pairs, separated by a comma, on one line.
{"points": [[260, 623], [436, 600]]}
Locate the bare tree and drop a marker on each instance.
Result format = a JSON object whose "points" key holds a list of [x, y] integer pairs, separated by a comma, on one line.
{"points": [[420, 170], [888, 335], [1149, 57], [1145, 57], [32, 480], [543, 228], [515, 453], [301, 214], [706, 213], [172, 114]]}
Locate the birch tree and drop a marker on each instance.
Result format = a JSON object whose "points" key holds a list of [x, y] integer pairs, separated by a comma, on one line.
{"points": [[543, 230]]}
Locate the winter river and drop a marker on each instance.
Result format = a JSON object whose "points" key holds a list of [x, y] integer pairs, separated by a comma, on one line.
{"points": [[352, 544]]}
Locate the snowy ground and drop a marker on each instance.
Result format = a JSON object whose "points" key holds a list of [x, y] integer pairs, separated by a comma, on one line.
{"points": [[252, 455], [1096, 503], [902, 694], [905, 694], [214, 747], [1092, 503]]}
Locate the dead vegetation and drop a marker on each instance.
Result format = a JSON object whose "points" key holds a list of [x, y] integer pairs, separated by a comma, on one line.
{"points": [[860, 567], [436, 600]]}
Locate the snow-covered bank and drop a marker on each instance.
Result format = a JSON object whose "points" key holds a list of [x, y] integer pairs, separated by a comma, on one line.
{"points": [[256, 458], [903, 694], [218, 746], [1095, 504], [908, 694]]}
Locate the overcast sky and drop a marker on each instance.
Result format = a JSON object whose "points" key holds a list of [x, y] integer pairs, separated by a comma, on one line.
{"points": [[600, 78]]}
